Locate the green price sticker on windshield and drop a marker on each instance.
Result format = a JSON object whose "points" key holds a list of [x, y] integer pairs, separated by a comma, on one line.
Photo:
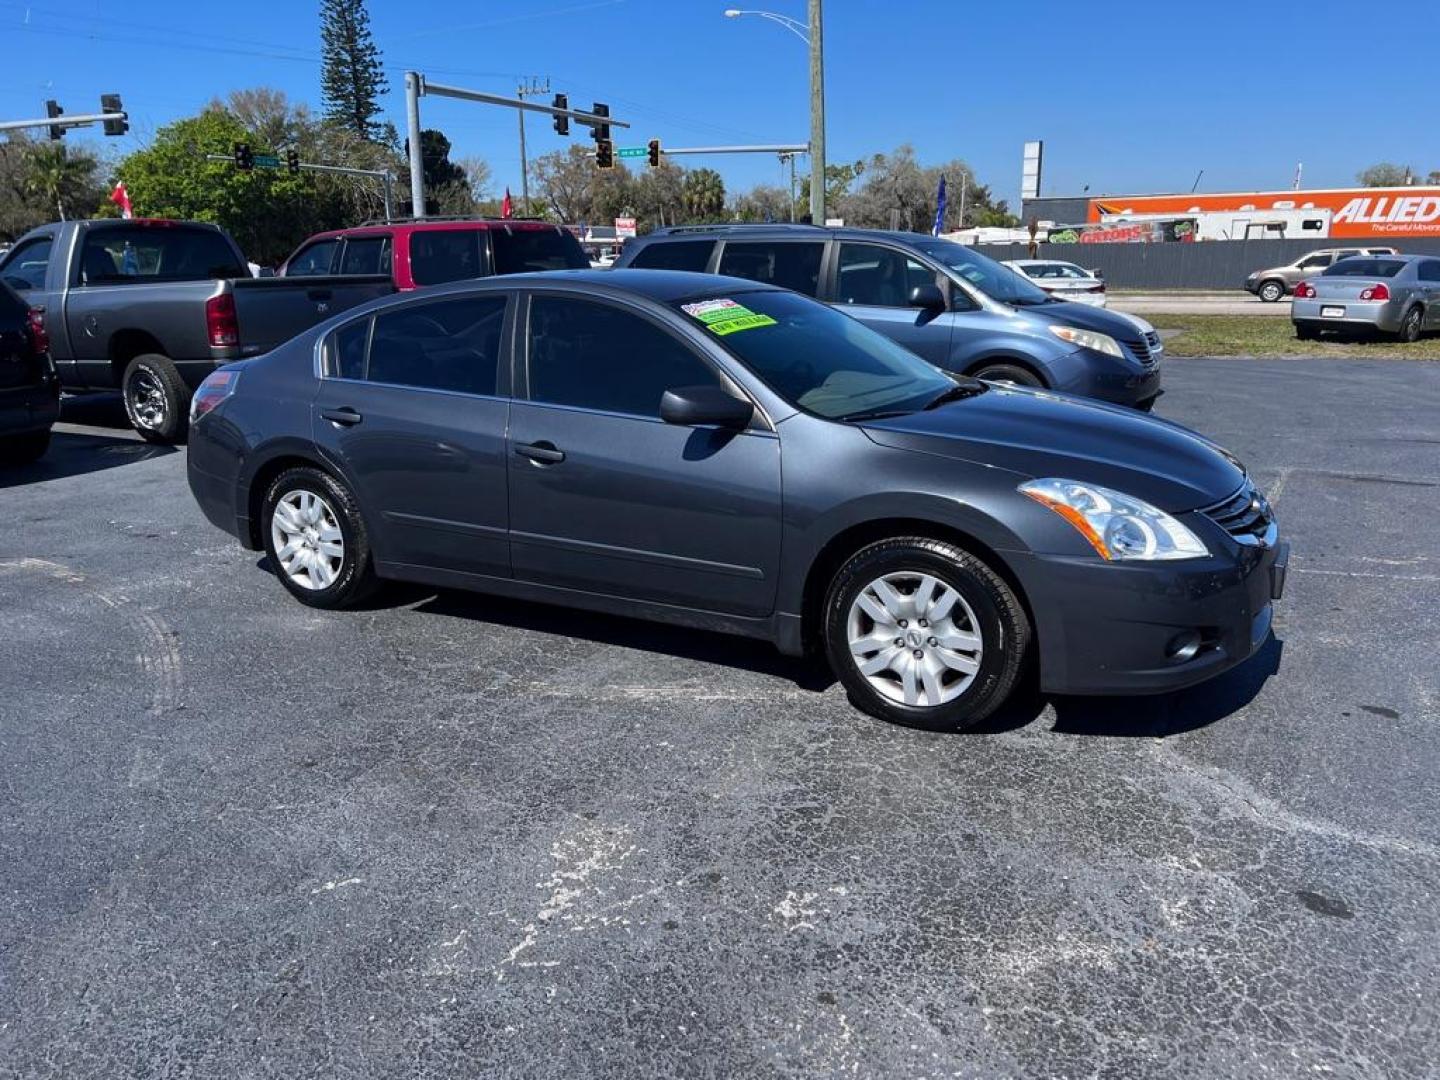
{"points": [[723, 317]]}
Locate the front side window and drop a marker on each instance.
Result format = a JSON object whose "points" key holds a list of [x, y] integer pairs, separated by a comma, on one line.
{"points": [[26, 266], [451, 345], [313, 261], [441, 255], [519, 251], [1314, 262], [879, 276], [984, 273], [691, 255], [156, 253], [367, 255], [790, 266], [594, 356]]}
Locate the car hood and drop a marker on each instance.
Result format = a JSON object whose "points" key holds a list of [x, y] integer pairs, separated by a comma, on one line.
{"points": [[1085, 317], [1039, 433]]}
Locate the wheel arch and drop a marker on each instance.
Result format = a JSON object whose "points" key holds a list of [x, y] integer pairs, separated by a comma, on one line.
{"points": [[253, 487], [125, 345], [1013, 358]]}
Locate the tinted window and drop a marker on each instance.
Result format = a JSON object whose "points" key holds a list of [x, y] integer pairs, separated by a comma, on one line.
{"points": [[447, 255], [520, 250], [370, 255], [1365, 266], [345, 354], [1314, 261], [160, 253], [598, 357], [870, 274], [25, 269], [816, 357], [1430, 271], [790, 266], [314, 260], [691, 255], [448, 345]]}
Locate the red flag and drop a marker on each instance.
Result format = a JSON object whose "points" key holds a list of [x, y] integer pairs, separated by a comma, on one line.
{"points": [[121, 198], [506, 208]]}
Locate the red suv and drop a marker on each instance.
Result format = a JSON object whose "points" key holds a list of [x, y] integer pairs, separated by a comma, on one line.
{"points": [[418, 253]]}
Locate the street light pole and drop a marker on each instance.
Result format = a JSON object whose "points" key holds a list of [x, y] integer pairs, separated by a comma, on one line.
{"points": [[817, 117]]}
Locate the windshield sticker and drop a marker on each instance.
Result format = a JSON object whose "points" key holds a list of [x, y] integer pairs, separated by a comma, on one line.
{"points": [[723, 317]]}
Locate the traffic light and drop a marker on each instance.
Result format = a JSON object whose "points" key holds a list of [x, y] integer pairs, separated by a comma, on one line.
{"points": [[244, 157], [52, 110], [562, 123], [110, 103], [604, 154], [654, 153], [292, 160], [600, 132]]}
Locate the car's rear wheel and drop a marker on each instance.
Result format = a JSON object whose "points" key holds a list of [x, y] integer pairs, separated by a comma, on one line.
{"points": [[1271, 291], [923, 633], [23, 449], [1410, 325], [1007, 373], [156, 399], [316, 539]]}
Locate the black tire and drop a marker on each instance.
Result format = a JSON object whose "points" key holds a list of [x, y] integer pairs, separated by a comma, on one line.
{"points": [[23, 449], [355, 579], [999, 619], [1012, 373], [1306, 333], [157, 401], [1271, 291], [1411, 324]]}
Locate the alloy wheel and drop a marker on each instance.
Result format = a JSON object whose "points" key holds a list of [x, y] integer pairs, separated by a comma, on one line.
{"points": [[308, 542], [146, 397], [914, 638]]}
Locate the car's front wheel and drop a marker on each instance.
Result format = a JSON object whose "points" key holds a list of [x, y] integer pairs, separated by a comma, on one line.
{"points": [[316, 539], [1271, 291], [1410, 325], [1008, 373], [923, 633]]}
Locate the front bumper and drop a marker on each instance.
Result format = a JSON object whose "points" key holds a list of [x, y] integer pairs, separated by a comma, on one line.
{"points": [[1384, 315], [1109, 378], [1125, 628]]}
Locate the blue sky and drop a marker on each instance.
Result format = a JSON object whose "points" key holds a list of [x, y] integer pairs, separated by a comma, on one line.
{"points": [[1129, 97]]}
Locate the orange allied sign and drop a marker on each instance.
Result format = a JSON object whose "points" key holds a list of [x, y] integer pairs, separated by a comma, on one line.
{"points": [[1354, 212]]}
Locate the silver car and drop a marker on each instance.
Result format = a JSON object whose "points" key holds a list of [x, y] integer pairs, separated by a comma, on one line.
{"points": [[1395, 294], [1273, 284], [1062, 280]]}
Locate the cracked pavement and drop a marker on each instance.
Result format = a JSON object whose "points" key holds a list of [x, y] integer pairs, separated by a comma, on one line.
{"points": [[452, 835]]}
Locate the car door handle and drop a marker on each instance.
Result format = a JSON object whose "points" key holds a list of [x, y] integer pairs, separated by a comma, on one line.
{"points": [[541, 453], [344, 417]]}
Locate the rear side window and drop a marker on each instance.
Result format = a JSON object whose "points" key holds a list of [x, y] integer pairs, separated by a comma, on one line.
{"points": [[518, 251], [345, 354], [26, 266], [451, 345], [595, 356], [367, 255], [160, 253], [1314, 262], [1365, 266], [313, 261], [691, 255], [791, 266], [441, 255], [1429, 270]]}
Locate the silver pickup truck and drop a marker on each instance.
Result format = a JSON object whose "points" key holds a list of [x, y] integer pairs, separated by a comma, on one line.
{"points": [[150, 307]]}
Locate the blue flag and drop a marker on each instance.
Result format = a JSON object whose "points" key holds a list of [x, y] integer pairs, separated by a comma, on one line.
{"points": [[939, 209]]}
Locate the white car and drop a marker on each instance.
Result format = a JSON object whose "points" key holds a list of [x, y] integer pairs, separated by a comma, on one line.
{"points": [[1063, 280]]}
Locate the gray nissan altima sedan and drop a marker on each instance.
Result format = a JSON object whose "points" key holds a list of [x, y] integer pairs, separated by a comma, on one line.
{"points": [[715, 453]]}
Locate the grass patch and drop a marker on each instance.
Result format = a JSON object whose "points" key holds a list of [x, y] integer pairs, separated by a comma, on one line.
{"points": [[1266, 335]]}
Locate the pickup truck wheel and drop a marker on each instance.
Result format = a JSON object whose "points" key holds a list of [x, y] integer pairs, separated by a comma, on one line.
{"points": [[923, 633], [316, 539], [1271, 291], [156, 399], [23, 449]]}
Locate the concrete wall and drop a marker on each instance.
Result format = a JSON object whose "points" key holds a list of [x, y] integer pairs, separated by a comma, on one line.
{"points": [[1215, 264]]}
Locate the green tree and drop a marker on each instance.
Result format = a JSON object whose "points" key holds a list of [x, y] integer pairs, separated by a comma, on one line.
{"points": [[564, 181], [763, 202], [838, 179], [352, 78], [659, 195], [1386, 174], [40, 181], [703, 195]]}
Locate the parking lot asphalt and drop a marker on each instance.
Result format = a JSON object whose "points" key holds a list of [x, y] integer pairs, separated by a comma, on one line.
{"points": [[450, 835]]}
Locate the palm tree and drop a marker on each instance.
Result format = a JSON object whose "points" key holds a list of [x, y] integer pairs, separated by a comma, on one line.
{"points": [[703, 193], [57, 178]]}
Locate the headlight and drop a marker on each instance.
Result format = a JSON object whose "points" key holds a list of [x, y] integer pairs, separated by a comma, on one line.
{"points": [[1088, 339], [1117, 526]]}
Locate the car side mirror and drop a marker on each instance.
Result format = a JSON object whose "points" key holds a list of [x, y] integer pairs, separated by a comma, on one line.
{"points": [[928, 298], [698, 406]]}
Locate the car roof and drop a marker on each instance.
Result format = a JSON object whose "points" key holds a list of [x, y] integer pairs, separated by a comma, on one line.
{"points": [[781, 230], [381, 228]]}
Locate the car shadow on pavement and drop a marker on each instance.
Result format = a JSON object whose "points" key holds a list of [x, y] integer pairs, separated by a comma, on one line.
{"points": [[1174, 713], [75, 453]]}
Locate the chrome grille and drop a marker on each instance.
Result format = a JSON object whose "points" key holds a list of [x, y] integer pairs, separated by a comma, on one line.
{"points": [[1245, 515], [1141, 346]]}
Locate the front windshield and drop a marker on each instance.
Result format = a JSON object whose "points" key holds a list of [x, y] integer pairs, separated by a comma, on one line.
{"points": [[995, 281], [816, 358]]}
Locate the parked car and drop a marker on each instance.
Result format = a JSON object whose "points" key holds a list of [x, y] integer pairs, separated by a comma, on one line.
{"points": [[1279, 281], [1062, 280], [29, 390], [416, 253], [1392, 294], [150, 307], [953, 306], [616, 441]]}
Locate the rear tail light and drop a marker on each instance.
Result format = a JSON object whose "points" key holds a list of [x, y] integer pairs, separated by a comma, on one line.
{"points": [[218, 386], [39, 336], [220, 321], [1375, 292], [1305, 291]]}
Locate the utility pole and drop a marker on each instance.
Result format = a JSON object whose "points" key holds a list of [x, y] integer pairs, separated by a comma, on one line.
{"points": [[414, 87], [531, 89], [817, 117]]}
